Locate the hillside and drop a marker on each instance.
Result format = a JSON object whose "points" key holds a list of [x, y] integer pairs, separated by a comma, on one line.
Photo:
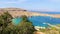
{"points": [[18, 12]]}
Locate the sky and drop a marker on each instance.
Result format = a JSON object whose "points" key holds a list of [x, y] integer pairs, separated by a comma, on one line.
{"points": [[38, 5]]}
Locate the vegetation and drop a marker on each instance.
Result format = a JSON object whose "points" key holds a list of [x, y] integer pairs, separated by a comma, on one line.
{"points": [[6, 26], [25, 27]]}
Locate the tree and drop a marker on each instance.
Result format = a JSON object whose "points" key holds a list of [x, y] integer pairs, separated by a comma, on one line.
{"points": [[26, 27], [5, 19]]}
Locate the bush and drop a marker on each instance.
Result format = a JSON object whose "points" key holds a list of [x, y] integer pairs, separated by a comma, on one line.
{"points": [[26, 27]]}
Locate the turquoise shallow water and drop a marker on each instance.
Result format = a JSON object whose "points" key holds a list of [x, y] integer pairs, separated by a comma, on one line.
{"points": [[39, 20], [17, 20]]}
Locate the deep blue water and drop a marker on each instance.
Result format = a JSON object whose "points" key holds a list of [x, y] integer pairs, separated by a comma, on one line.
{"points": [[47, 12], [39, 20], [51, 12]]}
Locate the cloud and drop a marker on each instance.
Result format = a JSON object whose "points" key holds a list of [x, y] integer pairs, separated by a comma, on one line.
{"points": [[22, 1], [15, 1]]}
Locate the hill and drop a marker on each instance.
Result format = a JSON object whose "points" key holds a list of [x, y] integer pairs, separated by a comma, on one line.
{"points": [[18, 12]]}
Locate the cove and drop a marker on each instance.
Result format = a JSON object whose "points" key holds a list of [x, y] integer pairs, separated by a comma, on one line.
{"points": [[16, 20], [39, 20]]}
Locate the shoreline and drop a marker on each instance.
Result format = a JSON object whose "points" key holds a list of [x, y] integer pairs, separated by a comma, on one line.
{"points": [[19, 12]]}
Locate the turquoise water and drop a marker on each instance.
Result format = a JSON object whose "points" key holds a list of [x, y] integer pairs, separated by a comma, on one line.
{"points": [[39, 20], [17, 20]]}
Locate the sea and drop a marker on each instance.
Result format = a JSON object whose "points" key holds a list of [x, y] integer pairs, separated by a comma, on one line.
{"points": [[39, 20]]}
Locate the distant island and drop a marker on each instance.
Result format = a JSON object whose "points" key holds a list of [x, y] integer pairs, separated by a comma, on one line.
{"points": [[18, 12]]}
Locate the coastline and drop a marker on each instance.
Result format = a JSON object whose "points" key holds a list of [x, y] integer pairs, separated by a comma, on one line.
{"points": [[18, 12]]}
